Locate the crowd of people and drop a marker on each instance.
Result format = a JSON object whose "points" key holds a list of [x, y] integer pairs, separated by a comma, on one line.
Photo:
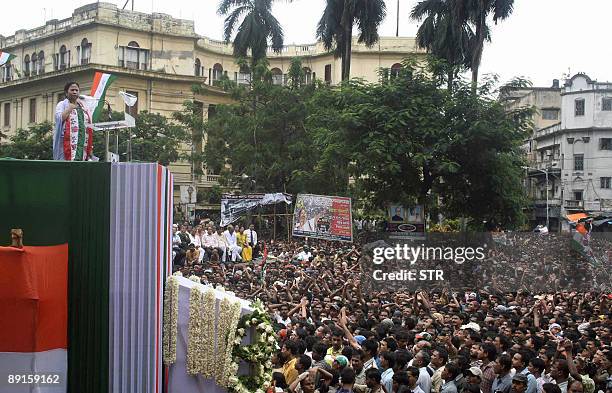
{"points": [[336, 335]]}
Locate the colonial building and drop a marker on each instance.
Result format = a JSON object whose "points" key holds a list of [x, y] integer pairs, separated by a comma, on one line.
{"points": [[156, 57], [572, 143]]}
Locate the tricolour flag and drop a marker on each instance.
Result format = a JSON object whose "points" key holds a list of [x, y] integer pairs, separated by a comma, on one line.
{"points": [[34, 314], [98, 91], [5, 58]]}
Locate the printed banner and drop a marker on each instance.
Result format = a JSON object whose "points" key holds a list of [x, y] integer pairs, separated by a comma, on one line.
{"points": [[323, 217], [235, 206], [405, 219]]}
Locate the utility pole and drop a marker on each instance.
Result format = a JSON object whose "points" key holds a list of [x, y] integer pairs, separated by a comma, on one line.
{"points": [[397, 24]]}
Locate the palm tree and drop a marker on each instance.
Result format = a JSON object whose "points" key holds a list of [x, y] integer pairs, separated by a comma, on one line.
{"points": [[478, 11], [444, 32], [257, 27], [335, 27]]}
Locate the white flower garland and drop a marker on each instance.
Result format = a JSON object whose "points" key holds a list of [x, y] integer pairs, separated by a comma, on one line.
{"points": [[196, 357], [229, 369], [209, 333], [258, 354], [170, 318]]}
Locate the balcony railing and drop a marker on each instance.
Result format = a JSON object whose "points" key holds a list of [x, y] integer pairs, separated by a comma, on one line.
{"points": [[574, 204]]}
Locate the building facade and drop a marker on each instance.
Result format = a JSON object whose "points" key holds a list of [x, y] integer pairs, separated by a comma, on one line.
{"points": [[156, 57], [573, 146]]}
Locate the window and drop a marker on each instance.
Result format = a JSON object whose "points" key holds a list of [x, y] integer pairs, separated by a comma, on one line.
{"points": [[277, 76], [7, 114], [577, 195], [26, 65], [197, 67], [217, 72], [579, 107], [605, 182], [85, 51], [199, 112], [132, 56], [605, 143], [395, 69], [41, 63], [212, 111], [550, 114], [606, 104], [6, 73], [578, 162], [32, 110], [34, 64], [307, 76], [133, 111], [542, 194], [328, 76], [64, 58]]}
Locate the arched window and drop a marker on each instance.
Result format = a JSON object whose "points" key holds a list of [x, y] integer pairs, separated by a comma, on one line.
{"points": [[26, 65], [63, 57], [41, 63], [277, 76], [131, 55], [217, 72], [307, 75], [198, 67], [395, 70], [85, 51], [34, 66]]}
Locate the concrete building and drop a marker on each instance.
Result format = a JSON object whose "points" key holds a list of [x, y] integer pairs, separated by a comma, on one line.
{"points": [[156, 57], [575, 150]]}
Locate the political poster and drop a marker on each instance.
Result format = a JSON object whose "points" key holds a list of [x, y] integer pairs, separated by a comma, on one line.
{"points": [[323, 217], [405, 219], [235, 206]]}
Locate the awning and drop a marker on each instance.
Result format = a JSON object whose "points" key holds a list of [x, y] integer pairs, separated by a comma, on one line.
{"points": [[576, 216]]}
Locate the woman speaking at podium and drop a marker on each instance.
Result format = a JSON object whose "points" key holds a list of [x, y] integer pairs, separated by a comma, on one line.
{"points": [[73, 135]]}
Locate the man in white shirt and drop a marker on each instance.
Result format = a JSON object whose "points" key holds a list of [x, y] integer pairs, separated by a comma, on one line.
{"points": [[221, 243], [252, 239], [421, 360], [210, 242], [304, 255], [233, 249]]}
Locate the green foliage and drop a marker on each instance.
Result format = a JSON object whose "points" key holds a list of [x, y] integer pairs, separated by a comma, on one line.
{"points": [[408, 140], [154, 139], [296, 73], [258, 26], [335, 28], [32, 143], [264, 137], [456, 30], [210, 195], [191, 118]]}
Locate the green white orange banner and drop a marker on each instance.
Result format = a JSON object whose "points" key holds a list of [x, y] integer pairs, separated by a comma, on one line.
{"points": [[98, 91], [5, 57]]}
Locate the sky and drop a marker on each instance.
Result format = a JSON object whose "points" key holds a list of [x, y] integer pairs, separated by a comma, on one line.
{"points": [[542, 40]]}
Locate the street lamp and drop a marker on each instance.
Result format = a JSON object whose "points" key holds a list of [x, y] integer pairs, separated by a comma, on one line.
{"points": [[545, 171]]}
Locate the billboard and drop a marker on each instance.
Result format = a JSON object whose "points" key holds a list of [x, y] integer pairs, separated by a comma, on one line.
{"points": [[405, 219], [235, 206], [323, 217]]}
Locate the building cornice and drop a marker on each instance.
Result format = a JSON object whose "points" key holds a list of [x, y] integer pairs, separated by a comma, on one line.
{"points": [[115, 70]]}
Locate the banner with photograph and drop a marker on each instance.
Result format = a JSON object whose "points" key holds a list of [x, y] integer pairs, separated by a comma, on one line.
{"points": [[323, 217], [235, 206], [405, 219]]}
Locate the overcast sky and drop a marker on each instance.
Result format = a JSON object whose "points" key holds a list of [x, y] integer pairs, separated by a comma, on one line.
{"points": [[542, 40]]}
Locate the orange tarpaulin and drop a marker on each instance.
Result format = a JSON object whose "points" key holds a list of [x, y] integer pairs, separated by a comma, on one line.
{"points": [[33, 298], [576, 216]]}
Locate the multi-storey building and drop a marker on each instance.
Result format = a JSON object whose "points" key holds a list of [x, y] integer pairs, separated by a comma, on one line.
{"points": [[156, 57], [573, 146]]}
